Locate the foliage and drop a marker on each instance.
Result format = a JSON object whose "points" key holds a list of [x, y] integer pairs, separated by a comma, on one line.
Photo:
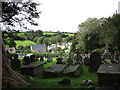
{"points": [[89, 37], [111, 33], [17, 12]]}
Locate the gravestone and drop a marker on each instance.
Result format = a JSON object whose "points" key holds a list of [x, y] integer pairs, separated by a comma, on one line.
{"points": [[49, 59], [73, 71], [15, 63], [117, 57], [41, 58], [65, 81], [70, 60], [53, 71], [26, 60], [87, 61], [109, 75], [32, 58], [32, 68], [59, 61], [95, 61], [65, 58], [106, 57]]}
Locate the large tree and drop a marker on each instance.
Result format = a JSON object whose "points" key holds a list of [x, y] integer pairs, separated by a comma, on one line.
{"points": [[16, 12]]}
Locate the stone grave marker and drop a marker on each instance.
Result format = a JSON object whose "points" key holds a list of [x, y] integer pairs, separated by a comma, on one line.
{"points": [[41, 58], [106, 57], [95, 61], [49, 59], [32, 58], [109, 75], [32, 68], [87, 61], [53, 71], [59, 61], [26, 60], [65, 58], [15, 63], [73, 71], [70, 61]]}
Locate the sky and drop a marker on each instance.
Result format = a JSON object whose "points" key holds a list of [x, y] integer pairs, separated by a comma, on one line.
{"points": [[66, 15]]}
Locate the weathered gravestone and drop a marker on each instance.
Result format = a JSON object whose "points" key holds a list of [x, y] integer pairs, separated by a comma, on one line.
{"points": [[87, 61], [15, 63], [32, 58], [41, 58], [59, 61], [49, 59], [32, 68], [95, 61], [109, 75], [65, 58], [65, 81], [70, 60], [78, 60], [73, 71], [54, 71], [117, 57], [106, 57], [26, 59]]}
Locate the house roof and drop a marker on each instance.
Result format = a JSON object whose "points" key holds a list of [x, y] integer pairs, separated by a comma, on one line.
{"points": [[39, 47]]}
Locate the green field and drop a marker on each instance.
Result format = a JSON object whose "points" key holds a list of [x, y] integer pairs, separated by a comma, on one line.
{"points": [[24, 43], [50, 33]]}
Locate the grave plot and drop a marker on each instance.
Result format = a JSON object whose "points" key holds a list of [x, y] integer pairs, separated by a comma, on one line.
{"points": [[73, 71], [109, 75], [32, 68], [54, 71]]}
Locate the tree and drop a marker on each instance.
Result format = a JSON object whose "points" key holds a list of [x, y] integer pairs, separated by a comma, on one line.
{"points": [[111, 33], [10, 12], [89, 34]]}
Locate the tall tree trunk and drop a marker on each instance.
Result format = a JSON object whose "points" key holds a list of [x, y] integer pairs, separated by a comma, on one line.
{"points": [[9, 77]]}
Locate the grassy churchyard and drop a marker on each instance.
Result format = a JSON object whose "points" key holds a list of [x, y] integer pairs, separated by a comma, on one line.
{"points": [[38, 81]]}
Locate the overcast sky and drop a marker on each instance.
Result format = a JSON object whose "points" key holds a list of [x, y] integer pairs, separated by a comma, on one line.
{"points": [[66, 15]]}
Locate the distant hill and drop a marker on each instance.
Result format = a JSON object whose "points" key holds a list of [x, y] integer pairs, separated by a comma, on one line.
{"points": [[52, 33]]}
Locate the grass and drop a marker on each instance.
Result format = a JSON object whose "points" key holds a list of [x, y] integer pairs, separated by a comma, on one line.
{"points": [[23, 43], [39, 82]]}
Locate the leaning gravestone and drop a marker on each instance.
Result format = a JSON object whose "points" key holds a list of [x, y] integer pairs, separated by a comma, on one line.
{"points": [[73, 71], [53, 71], [49, 59], [95, 61], [87, 61], [59, 61]]}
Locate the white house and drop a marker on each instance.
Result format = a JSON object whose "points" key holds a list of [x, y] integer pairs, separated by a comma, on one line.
{"points": [[61, 45]]}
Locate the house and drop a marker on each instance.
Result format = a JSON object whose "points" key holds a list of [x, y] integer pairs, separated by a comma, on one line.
{"points": [[38, 48], [61, 45], [11, 50]]}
